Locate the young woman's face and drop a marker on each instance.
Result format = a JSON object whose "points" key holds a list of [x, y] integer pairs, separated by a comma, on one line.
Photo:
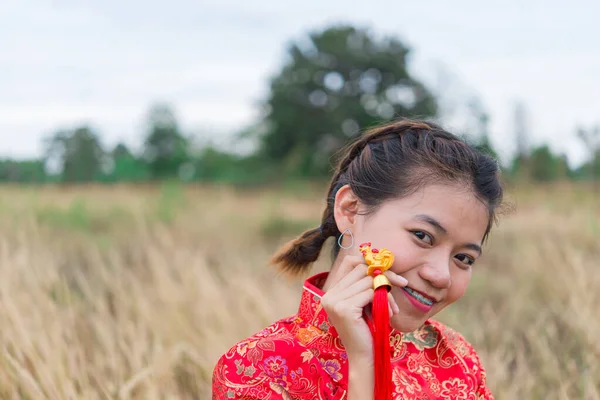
{"points": [[435, 234]]}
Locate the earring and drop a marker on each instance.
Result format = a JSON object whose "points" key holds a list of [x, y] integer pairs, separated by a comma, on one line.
{"points": [[351, 237]]}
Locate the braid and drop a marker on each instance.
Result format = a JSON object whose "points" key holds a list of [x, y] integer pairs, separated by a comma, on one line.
{"points": [[380, 134]]}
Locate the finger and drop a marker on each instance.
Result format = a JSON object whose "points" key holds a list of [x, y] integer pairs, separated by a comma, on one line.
{"points": [[395, 279], [357, 302], [393, 305], [358, 272], [348, 264], [361, 285]]}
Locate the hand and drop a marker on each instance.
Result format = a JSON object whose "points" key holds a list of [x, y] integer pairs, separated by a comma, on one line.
{"points": [[345, 300]]}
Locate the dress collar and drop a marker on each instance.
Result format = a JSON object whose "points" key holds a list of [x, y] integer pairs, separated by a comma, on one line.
{"points": [[311, 311]]}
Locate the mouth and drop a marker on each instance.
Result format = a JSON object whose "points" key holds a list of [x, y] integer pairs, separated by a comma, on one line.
{"points": [[420, 297]]}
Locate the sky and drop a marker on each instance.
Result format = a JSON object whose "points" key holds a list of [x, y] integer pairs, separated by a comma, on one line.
{"points": [[105, 62]]}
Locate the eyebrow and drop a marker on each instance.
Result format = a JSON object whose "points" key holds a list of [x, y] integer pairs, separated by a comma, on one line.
{"points": [[435, 223], [474, 247], [431, 221]]}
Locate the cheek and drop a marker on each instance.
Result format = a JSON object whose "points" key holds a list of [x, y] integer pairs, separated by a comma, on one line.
{"points": [[460, 281], [381, 235], [406, 258]]}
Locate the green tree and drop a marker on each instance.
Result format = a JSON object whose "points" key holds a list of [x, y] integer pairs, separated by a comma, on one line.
{"points": [[589, 169], [481, 127], [337, 82], [591, 140], [546, 166], [165, 148], [121, 150], [22, 171], [126, 166], [78, 152], [9, 171]]}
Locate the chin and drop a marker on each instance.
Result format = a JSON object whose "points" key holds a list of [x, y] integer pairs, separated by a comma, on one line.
{"points": [[406, 324]]}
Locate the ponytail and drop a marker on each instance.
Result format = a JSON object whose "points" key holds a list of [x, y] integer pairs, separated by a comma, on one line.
{"points": [[297, 255]]}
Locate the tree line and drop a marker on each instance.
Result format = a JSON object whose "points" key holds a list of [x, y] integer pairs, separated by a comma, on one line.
{"points": [[336, 82]]}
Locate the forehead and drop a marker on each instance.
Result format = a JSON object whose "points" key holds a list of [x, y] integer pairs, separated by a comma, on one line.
{"points": [[455, 207]]}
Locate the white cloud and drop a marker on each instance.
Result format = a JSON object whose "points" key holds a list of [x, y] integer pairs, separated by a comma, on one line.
{"points": [[63, 62]]}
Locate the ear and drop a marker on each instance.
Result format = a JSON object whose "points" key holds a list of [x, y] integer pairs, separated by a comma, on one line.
{"points": [[345, 208]]}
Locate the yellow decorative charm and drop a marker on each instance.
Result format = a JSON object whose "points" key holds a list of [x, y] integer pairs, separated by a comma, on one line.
{"points": [[377, 260], [382, 280]]}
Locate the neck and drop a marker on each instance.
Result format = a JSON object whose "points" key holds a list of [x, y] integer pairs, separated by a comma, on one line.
{"points": [[334, 274]]}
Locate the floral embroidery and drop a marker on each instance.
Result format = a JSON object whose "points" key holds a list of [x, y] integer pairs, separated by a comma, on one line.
{"points": [[280, 389], [324, 326], [332, 367], [397, 345], [306, 335], [295, 374], [275, 367], [258, 392], [239, 367], [434, 386], [454, 389], [426, 337], [254, 348], [456, 342], [244, 346], [406, 386], [250, 370], [306, 355], [301, 357]]}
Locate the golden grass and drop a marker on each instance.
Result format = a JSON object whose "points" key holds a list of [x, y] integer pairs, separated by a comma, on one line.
{"points": [[133, 293]]}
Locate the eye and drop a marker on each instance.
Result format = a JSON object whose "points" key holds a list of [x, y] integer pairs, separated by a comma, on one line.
{"points": [[424, 237], [465, 259]]}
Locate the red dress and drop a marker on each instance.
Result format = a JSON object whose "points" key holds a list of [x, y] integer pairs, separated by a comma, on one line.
{"points": [[302, 357]]}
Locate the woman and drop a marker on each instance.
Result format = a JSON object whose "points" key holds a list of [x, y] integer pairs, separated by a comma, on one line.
{"points": [[431, 199]]}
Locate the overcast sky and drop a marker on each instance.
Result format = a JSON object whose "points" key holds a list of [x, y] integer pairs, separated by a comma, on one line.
{"points": [[65, 62]]}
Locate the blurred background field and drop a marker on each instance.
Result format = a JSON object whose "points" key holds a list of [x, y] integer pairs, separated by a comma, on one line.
{"points": [[133, 292], [154, 156]]}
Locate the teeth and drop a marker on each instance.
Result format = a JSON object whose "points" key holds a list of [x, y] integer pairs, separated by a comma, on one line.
{"points": [[418, 296]]}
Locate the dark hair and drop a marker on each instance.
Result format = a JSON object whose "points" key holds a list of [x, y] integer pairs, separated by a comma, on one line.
{"points": [[392, 161]]}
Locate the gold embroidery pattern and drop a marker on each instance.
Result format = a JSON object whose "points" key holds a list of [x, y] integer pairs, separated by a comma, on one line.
{"points": [[295, 358]]}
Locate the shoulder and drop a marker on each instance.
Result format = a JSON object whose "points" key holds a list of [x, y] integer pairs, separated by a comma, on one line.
{"points": [[450, 358], [252, 366], [275, 337], [450, 339], [266, 339]]}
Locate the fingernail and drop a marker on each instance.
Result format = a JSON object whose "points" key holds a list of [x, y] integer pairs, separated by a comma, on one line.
{"points": [[402, 280]]}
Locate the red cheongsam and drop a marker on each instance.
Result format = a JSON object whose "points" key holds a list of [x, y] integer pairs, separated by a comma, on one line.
{"points": [[302, 357]]}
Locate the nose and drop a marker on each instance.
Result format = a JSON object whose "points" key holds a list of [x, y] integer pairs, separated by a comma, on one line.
{"points": [[437, 273]]}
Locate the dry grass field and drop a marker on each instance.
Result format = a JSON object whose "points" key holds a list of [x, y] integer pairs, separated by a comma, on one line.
{"points": [[134, 292]]}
